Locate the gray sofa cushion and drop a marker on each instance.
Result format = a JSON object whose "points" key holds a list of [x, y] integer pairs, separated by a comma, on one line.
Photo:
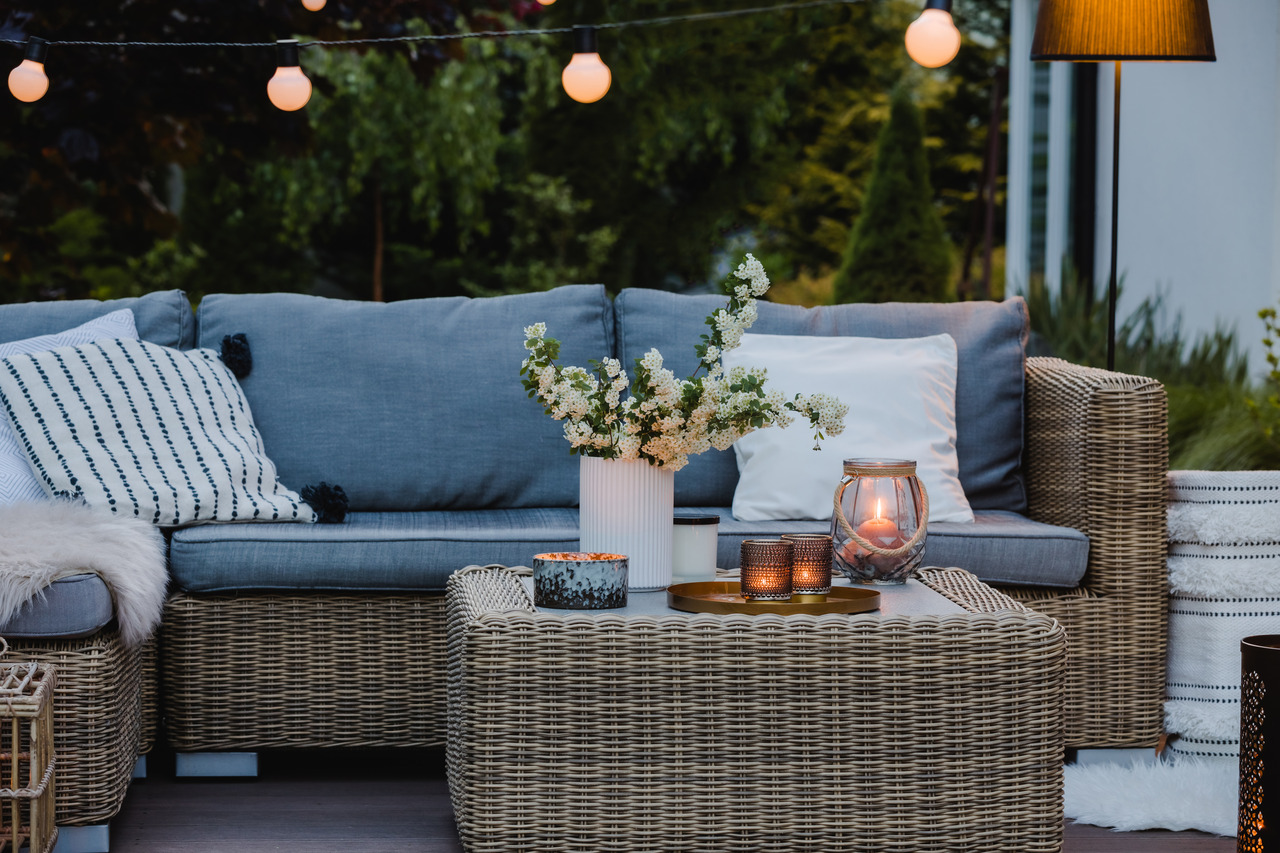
{"points": [[991, 346], [999, 547], [412, 405], [163, 318], [370, 551], [399, 551], [75, 606]]}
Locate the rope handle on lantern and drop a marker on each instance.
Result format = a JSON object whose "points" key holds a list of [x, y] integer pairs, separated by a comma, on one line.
{"points": [[915, 540]]}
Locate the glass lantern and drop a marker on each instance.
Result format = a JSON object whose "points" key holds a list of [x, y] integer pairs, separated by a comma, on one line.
{"points": [[878, 529]]}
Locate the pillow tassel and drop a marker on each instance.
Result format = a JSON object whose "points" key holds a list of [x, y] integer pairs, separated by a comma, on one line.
{"points": [[329, 502], [236, 355]]}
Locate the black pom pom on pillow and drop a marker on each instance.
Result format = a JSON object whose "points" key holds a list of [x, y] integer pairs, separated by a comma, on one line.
{"points": [[329, 502], [236, 355]]}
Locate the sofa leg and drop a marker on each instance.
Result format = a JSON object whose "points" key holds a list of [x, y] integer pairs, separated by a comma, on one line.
{"points": [[215, 764], [83, 839]]}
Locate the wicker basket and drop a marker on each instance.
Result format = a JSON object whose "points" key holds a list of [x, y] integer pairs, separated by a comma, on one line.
{"points": [[27, 758], [753, 734]]}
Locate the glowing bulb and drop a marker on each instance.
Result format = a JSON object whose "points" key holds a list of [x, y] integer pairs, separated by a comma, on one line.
{"points": [[313, 5], [546, 2], [28, 81], [932, 39], [586, 78], [289, 89]]}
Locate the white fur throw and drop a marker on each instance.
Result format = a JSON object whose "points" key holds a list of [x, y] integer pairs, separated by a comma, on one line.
{"points": [[1190, 793], [43, 541]]}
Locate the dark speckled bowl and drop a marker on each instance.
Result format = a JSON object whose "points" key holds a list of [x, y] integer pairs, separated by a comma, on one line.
{"points": [[573, 580]]}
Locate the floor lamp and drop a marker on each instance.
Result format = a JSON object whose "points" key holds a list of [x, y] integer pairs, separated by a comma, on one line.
{"points": [[1121, 30]]}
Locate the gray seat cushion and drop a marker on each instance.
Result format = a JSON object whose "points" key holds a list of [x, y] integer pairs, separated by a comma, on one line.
{"points": [[412, 405], [370, 551], [999, 547], [991, 362], [417, 551], [162, 318], [75, 606]]}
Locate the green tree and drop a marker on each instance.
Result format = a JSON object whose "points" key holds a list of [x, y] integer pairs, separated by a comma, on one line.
{"points": [[898, 250], [115, 121]]}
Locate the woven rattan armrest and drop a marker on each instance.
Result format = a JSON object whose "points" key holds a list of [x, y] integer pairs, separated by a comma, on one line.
{"points": [[1096, 456]]}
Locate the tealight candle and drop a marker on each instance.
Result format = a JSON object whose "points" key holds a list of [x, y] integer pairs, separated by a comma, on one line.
{"points": [[766, 569], [810, 563]]}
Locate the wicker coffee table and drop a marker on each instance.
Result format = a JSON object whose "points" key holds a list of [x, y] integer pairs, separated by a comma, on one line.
{"points": [[934, 724]]}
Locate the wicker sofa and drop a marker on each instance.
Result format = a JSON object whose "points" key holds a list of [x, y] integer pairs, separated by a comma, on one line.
{"points": [[456, 467], [333, 635]]}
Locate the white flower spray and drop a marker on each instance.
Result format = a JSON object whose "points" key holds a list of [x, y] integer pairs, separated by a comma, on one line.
{"points": [[666, 420]]}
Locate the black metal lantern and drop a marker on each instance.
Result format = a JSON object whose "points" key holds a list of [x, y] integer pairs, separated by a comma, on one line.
{"points": [[1259, 817]]}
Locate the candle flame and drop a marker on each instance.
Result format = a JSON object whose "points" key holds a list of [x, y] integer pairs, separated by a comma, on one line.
{"points": [[879, 505]]}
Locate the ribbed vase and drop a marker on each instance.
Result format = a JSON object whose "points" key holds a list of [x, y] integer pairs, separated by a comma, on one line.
{"points": [[626, 508]]}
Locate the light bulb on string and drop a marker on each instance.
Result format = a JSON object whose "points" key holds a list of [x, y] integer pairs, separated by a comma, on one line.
{"points": [[28, 81], [932, 39], [586, 78], [313, 5], [289, 89], [546, 2]]}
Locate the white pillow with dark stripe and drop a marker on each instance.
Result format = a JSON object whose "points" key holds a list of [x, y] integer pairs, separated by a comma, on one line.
{"points": [[17, 483], [146, 431]]}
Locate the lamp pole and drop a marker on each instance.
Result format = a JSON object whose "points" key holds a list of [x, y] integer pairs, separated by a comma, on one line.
{"points": [[1115, 226]]}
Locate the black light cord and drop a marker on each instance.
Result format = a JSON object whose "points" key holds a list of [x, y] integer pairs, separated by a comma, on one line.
{"points": [[616, 25]]}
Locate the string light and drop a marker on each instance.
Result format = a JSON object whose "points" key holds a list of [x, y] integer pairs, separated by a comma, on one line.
{"points": [[28, 81], [289, 89], [586, 78], [932, 39]]}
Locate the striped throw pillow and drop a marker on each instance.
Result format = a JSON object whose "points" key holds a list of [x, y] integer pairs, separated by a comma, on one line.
{"points": [[146, 431], [17, 483]]}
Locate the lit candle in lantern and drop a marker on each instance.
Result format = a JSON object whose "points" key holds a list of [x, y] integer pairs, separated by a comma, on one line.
{"points": [[880, 531]]}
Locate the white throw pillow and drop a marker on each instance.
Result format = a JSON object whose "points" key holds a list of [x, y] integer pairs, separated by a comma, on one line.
{"points": [[145, 431], [17, 483], [901, 394]]}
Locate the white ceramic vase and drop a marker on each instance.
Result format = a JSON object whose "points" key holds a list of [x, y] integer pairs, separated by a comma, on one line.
{"points": [[626, 508]]}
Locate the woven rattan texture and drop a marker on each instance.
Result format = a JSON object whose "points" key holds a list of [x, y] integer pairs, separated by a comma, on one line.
{"points": [[1096, 457], [271, 671], [698, 732], [150, 699], [96, 721]]}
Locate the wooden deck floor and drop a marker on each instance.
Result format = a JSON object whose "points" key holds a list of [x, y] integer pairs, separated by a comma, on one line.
{"points": [[388, 803]]}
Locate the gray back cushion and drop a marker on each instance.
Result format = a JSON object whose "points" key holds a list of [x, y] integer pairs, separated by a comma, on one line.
{"points": [[163, 318], [414, 404], [990, 340]]}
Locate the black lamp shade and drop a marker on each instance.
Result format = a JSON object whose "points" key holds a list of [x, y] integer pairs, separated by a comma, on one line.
{"points": [[1096, 30]]}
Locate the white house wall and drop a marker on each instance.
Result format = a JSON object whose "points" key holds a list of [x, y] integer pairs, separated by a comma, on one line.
{"points": [[1199, 175]]}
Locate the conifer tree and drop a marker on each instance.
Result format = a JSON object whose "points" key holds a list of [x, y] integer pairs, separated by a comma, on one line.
{"points": [[898, 250]]}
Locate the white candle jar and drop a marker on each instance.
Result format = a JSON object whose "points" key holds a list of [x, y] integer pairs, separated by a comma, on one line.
{"points": [[879, 521], [693, 548]]}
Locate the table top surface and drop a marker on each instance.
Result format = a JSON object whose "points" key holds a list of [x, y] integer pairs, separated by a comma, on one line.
{"points": [[912, 598]]}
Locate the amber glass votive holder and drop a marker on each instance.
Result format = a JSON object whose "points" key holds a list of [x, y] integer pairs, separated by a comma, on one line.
{"points": [[811, 555], [766, 569]]}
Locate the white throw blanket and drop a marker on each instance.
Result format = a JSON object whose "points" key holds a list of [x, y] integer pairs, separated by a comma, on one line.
{"points": [[43, 541]]}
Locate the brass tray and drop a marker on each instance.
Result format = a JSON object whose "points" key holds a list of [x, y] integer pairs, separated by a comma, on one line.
{"points": [[726, 597]]}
